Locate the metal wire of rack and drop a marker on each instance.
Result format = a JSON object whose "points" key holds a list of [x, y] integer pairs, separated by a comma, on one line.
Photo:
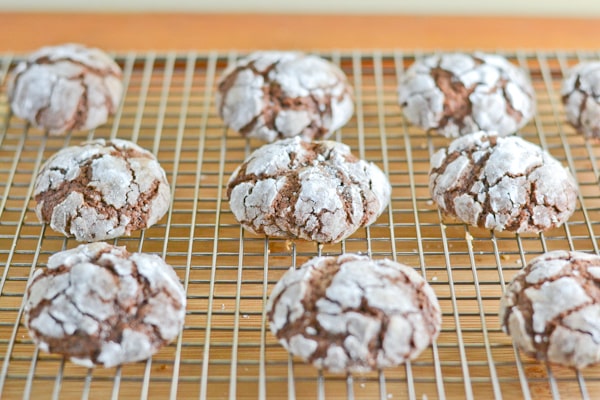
{"points": [[225, 349]]}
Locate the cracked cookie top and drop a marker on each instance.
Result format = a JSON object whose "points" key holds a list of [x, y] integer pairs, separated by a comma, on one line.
{"points": [[502, 183], [97, 304], [101, 190], [581, 97], [307, 190], [67, 87], [273, 95], [354, 314], [456, 94], [551, 308]]}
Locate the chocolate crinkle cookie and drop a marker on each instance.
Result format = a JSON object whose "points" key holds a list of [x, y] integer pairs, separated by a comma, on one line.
{"points": [[456, 94], [101, 190], [581, 97], [308, 190], [551, 308], [97, 304], [273, 95], [354, 314], [67, 87], [502, 183]]}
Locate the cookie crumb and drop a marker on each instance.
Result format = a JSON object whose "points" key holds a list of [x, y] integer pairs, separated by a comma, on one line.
{"points": [[469, 240]]}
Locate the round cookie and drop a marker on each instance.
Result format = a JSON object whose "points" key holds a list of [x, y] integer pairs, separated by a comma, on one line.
{"points": [[456, 94], [581, 98], [273, 95], [97, 304], [354, 314], [101, 190], [67, 87], [308, 190], [502, 183], [552, 308]]}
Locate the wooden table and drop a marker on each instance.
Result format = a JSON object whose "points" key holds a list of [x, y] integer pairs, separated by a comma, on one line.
{"points": [[120, 32]]}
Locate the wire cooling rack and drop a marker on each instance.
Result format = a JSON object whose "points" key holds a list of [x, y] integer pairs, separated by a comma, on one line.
{"points": [[225, 349]]}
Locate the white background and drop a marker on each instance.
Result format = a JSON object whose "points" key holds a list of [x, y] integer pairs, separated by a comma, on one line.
{"points": [[559, 8]]}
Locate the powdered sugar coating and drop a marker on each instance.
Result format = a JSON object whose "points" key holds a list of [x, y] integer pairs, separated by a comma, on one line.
{"points": [[66, 87], [314, 191], [101, 190], [97, 304], [581, 97], [456, 94], [552, 311], [351, 313], [502, 183], [273, 95]]}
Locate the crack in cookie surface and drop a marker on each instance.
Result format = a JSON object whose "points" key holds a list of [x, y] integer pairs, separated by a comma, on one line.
{"points": [[337, 313], [64, 88], [551, 306], [456, 94], [581, 97], [502, 183], [97, 304], [313, 191], [101, 190], [276, 95]]}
